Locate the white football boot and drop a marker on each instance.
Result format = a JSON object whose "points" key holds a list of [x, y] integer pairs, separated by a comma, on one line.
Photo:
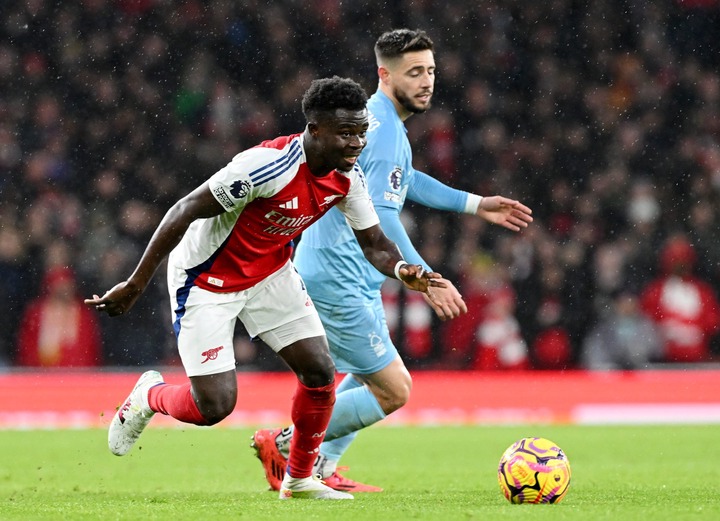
{"points": [[309, 488], [133, 416]]}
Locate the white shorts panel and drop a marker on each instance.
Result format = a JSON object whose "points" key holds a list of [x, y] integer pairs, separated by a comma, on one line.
{"points": [[205, 330], [305, 327], [278, 300], [277, 309]]}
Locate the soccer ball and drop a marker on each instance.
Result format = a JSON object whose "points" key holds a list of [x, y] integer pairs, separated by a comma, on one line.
{"points": [[534, 470]]}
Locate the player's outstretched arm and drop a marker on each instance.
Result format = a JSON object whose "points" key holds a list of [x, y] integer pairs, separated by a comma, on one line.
{"points": [[385, 256], [505, 212], [197, 205], [417, 278], [447, 302]]}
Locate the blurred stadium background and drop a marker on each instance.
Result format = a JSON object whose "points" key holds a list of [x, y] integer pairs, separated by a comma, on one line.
{"points": [[603, 117]]}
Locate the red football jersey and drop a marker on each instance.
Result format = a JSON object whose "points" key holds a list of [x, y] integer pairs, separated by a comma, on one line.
{"points": [[270, 197]]}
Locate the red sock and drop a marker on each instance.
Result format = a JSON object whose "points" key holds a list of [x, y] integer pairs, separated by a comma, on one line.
{"points": [[175, 401], [311, 411]]}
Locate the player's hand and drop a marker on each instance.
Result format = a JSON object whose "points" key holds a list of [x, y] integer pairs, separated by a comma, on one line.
{"points": [[116, 301], [415, 277], [505, 212], [447, 302]]}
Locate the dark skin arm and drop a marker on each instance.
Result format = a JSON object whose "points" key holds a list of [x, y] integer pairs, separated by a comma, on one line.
{"points": [[384, 255], [199, 204]]}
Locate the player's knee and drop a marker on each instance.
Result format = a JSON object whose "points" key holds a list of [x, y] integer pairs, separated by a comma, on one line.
{"points": [[394, 395], [215, 395], [317, 369], [217, 408], [318, 374], [396, 398], [391, 386], [310, 360]]}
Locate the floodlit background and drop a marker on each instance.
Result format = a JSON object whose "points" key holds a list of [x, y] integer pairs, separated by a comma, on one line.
{"points": [[603, 117]]}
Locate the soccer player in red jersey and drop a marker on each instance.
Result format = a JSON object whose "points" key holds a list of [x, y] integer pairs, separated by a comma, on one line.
{"points": [[349, 300], [229, 246]]}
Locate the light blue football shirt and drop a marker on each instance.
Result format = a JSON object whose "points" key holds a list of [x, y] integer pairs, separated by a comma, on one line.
{"points": [[328, 257]]}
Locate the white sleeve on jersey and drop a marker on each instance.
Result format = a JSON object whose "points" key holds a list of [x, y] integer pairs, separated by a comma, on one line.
{"points": [[357, 205], [234, 186]]}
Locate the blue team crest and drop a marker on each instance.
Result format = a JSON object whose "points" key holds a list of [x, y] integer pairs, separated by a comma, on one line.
{"points": [[240, 189], [395, 178]]}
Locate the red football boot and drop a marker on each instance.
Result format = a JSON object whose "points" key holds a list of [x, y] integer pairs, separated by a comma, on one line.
{"points": [[339, 482], [263, 441]]}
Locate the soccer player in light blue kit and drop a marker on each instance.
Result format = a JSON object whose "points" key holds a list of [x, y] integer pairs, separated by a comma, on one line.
{"points": [[346, 288]]}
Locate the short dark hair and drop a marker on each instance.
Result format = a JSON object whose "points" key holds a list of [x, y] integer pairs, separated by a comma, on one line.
{"points": [[330, 94], [397, 42]]}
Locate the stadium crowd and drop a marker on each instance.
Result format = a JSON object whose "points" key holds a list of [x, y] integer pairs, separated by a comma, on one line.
{"points": [[603, 117]]}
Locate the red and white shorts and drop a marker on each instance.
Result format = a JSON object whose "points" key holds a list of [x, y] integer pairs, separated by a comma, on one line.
{"points": [[278, 310]]}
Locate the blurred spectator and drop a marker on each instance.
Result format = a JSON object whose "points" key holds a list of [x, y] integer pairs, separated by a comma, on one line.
{"points": [[603, 117], [57, 329], [13, 285], [499, 341], [684, 307], [705, 235], [459, 335], [417, 334], [410, 322], [488, 336], [551, 346], [116, 246], [552, 349], [624, 338]]}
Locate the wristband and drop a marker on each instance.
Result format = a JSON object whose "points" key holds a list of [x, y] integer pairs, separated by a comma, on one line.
{"points": [[472, 204], [397, 268]]}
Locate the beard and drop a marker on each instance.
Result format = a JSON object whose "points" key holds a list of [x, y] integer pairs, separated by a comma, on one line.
{"points": [[408, 104]]}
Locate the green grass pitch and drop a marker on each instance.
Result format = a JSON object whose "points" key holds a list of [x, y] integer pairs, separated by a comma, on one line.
{"points": [[429, 473]]}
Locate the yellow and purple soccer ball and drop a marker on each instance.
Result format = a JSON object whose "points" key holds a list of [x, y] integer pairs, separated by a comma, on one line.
{"points": [[534, 470]]}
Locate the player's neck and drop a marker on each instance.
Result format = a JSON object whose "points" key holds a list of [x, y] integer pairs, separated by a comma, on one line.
{"points": [[401, 111]]}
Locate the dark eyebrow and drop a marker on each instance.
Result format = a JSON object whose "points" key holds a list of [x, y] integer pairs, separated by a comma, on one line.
{"points": [[421, 68], [344, 126]]}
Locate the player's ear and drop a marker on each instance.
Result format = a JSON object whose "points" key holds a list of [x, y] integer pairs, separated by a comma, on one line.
{"points": [[384, 74]]}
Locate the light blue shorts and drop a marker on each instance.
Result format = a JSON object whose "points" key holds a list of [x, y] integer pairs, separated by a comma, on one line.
{"points": [[358, 335]]}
